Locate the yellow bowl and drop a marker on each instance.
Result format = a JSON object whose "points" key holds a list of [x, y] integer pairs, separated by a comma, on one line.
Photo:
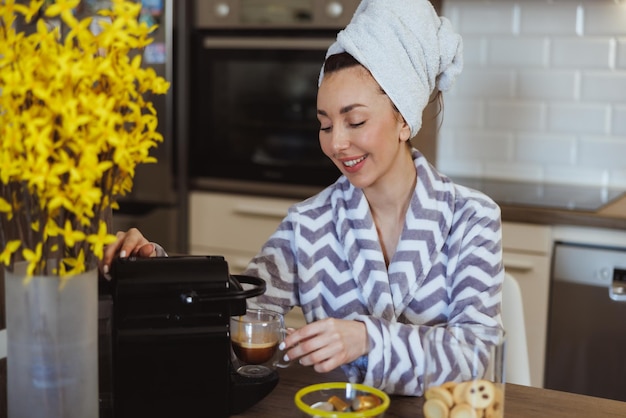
{"points": [[346, 392]]}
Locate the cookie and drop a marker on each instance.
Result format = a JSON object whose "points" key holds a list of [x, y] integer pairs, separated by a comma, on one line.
{"points": [[435, 408], [450, 385], [479, 394], [463, 411], [496, 409], [438, 392], [458, 393]]}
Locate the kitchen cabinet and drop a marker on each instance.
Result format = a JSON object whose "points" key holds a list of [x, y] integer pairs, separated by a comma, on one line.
{"points": [[232, 225], [527, 252]]}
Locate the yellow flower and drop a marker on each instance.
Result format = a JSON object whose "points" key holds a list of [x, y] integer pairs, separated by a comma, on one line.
{"points": [[99, 240], [5, 206], [65, 9], [33, 258], [77, 264], [11, 247], [70, 235], [8, 8], [51, 228]]}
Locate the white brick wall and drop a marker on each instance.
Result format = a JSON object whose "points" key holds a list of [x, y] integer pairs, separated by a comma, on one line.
{"points": [[543, 93]]}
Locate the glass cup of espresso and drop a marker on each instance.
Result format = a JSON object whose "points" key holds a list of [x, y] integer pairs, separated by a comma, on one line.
{"points": [[255, 338]]}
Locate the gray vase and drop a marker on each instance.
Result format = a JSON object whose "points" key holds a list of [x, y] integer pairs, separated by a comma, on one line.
{"points": [[52, 342]]}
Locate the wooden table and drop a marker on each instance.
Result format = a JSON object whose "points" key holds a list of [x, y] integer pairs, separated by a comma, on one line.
{"points": [[520, 401]]}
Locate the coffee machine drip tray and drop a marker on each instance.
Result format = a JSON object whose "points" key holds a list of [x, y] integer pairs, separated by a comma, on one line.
{"points": [[165, 340]]}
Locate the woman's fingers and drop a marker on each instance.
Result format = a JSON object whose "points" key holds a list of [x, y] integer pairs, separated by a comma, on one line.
{"points": [[129, 243], [327, 344], [147, 250]]}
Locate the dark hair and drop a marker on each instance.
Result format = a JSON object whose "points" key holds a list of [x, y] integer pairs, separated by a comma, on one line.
{"points": [[344, 60], [339, 61]]}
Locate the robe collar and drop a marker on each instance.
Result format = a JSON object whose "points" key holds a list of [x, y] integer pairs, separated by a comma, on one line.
{"points": [[389, 290]]}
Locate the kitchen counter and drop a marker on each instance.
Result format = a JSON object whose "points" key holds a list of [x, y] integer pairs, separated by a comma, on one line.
{"points": [[548, 204], [555, 204], [611, 216], [520, 401]]}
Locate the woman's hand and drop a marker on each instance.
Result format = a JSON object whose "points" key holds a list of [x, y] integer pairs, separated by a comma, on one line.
{"points": [[129, 243], [327, 344]]}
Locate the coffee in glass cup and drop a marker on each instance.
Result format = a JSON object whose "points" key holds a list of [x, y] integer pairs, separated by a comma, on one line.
{"points": [[255, 338]]}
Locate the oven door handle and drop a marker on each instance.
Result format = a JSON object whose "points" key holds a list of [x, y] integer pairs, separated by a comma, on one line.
{"points": [[267, 43]]}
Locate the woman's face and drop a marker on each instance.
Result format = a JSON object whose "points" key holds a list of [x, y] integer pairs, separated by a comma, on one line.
{"points": [[359, 129]]}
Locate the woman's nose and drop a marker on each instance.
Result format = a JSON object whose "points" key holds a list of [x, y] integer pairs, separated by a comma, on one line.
{"points": [[339, 140]]}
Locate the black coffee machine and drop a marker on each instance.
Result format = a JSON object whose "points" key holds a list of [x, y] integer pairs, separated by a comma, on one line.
{"points": [[165, 339]]}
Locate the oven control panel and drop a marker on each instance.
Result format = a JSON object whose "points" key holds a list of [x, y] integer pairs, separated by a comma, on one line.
{"points": [[279, 14]]}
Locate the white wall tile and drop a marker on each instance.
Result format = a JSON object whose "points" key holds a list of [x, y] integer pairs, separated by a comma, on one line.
{"points": [[463, 114], [543, 93], [621, 54], [604, 86], [445, 143], [461, 168], [513, 171], [618, 120], [484, 18], [602, 152], [582, 53], [578, 118], [515, 115], [545, 148], [605, 18], [618, 179], [484, 83], [517, 52], [547, 19], [474, 51], [542, 84], [483, 145]]}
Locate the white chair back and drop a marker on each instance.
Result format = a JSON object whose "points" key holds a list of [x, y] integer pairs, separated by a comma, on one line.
{"points": [[516, 363]]}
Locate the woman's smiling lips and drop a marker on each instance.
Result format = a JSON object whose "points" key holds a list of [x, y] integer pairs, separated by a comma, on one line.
{"points": [[353, 164]]}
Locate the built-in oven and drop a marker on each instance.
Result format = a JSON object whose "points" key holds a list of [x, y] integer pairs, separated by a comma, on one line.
{"points": [[254, 71]]}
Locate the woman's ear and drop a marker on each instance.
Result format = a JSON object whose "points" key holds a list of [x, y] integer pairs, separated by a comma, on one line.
{"points": [[405, 131]]}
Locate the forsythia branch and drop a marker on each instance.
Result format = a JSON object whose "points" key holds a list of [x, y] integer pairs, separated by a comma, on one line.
{"points": [[74, 124]]}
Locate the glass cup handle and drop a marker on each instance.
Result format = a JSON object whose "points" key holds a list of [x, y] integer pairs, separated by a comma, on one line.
{"points": [[280, 361]]}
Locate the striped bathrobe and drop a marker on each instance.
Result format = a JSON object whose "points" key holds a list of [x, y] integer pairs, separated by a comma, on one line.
{"points": [[325, 256]]}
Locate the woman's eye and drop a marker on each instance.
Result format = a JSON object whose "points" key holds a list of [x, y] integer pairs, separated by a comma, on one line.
{"points": [[325, 128], [356, 125]]}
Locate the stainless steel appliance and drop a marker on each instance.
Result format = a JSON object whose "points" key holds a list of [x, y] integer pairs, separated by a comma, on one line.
{"points": [[586, 350], [165, 340], [254, 71]]}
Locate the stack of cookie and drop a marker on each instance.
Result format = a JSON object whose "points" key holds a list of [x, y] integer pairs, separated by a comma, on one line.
{"points": [[471, 399]]}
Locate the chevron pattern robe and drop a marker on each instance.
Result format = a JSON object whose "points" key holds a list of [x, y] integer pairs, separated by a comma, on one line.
{"points": [[325, 256]]}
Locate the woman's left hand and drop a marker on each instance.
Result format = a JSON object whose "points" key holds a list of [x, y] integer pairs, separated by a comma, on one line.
{"points": [[327, 344]]}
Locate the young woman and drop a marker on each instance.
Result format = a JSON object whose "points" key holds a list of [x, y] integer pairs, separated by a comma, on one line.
{"points": [[393, 247]]}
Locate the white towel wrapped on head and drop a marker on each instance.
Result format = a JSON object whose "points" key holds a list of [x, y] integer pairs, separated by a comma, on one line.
{"points": [[408, 49]]}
